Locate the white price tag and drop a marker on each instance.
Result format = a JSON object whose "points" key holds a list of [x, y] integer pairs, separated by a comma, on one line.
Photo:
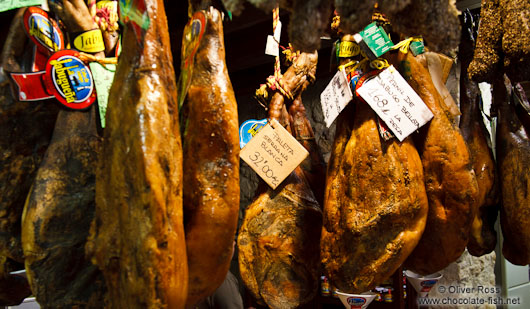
{"points": [[273, 41], [395, 102], [273, 153], [335, 97]]}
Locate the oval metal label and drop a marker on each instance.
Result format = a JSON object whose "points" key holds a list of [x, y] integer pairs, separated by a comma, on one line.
{"points": [[42, 30], [70, 80]]}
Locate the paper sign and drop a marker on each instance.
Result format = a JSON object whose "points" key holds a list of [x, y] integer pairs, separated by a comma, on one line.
{"points": [[249, 129], [395, 102], [103, 77], [273, 153], [335, 97], [273, 41], [6, 5]]}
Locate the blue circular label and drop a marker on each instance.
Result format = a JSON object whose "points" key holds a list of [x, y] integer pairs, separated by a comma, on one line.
{"points": [[42, 30], [249, 129]]}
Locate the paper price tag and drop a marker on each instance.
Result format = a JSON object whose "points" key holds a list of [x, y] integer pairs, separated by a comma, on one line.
{"points": [[103, 77], [335, 97], [273, 153], [395, 102], [273, 41]]}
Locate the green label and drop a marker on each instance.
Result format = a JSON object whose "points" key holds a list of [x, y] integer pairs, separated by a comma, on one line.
{"points": [[417, 48], [376, 39], [135, 11], [6, 5], [103, 77]]}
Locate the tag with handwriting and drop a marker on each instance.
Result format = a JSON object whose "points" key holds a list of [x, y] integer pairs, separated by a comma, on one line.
{"points": [[273, 153], [395, 102], [335, 97]]}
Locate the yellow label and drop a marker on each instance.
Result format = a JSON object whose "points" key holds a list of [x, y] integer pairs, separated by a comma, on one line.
{"points": [[349, 49], [111, 5], [90, 41]]}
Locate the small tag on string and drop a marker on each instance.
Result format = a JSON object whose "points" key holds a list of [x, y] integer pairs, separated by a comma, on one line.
{"points": [[273, 153], [273, 41], [335, 97], [395, 102]]}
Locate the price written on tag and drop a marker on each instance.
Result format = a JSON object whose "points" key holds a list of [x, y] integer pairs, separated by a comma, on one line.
{"points": [[335, 97], [395, 102], [273, 153]]}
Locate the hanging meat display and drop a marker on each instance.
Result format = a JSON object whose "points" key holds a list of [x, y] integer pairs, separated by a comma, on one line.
{"points": [[313, 166], [61, 203], [279, 238], [210, 135], [450, 181], [137, 237], [375, 206], [513, 165], [25, 132], [482, 237]]}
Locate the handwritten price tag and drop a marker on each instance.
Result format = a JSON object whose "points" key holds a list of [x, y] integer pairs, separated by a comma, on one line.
{"points": [[273, 41], [335, 97], [395, 102], [273, 153]]}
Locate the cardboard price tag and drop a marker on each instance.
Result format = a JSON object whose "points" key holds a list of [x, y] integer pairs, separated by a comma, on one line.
{"points": [[335, 97], [395, 102], [273, 153]]}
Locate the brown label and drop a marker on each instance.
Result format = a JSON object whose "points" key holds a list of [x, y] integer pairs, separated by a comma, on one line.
{"points": [[273, 153]]}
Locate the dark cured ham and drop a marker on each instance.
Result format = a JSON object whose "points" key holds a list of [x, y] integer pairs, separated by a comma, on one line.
{"points": [[450, 181], [279, 239], [482, 236], [513, 159], [61, 205], [211, 161], [25, 132], [137, 238]]}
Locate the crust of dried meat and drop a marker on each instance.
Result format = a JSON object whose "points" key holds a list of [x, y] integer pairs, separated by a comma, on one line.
{"points": [[375, 207], [211, 161], [137, 238]]}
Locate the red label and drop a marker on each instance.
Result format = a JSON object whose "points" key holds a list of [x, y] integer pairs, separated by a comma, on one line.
{"points": [[30, 87], [42, 30], [39, 60], [70, 80]]}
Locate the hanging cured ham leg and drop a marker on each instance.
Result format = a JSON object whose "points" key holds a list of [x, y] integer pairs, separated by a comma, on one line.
{"points": [[279, 239], [25, 132], [375, 208], [482, 237], [211, 161], [313, 166], [137, 238], [513, 155], [61, 205], [449, 178]]}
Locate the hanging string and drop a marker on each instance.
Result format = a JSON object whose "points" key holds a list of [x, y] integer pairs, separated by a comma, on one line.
{"points": [[91, 58], [404, 45], [275, 82]]}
